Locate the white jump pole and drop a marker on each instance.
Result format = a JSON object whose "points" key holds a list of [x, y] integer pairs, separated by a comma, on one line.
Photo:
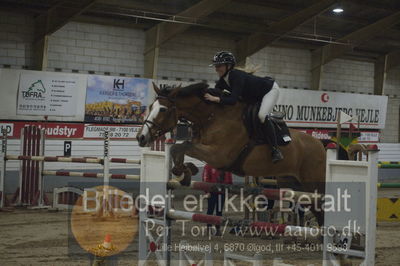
{"points": [[3, 166], [168, 203], [154, 175], [106, 173], [42, 146], [20, 176]]}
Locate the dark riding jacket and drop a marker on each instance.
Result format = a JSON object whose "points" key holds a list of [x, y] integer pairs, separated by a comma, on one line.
{"points": [[243, 86]]}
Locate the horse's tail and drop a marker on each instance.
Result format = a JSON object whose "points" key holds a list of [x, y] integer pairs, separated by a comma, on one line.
{"points": [[343, 155]]}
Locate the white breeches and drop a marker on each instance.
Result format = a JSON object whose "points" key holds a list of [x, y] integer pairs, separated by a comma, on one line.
{"points": [[268, 102]]}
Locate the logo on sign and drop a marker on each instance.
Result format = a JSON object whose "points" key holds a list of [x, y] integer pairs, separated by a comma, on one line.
{"points": [[324, 97], [8, 128], [35, 91], [119, 85], [318, 134]]}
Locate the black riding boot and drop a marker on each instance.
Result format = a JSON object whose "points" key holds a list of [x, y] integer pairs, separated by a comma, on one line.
{"points": [[272, 139]]}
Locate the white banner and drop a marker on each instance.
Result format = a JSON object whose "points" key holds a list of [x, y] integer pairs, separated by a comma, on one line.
{"points": [[304, 108], [369, 137], [119, 132], [47, 94]]}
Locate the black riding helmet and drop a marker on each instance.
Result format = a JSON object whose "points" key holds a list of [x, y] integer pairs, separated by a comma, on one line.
{"points": [[223, 57]]}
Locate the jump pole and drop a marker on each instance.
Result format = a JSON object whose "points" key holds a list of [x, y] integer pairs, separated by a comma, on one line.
{"points": [[106, 173], [270, 193], [69, 159], [220, 220], [379, 185], [3, 166], [89, 175], [388, 185]]}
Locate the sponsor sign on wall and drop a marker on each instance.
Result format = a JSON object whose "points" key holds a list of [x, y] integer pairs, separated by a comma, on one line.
{"points": [[73, 130], [318, 134], [365, 136], [369, 137], [41, 93], [116, 99], [319, 109], [120, 132], [8, 127], [53, 130], [91, 131]]}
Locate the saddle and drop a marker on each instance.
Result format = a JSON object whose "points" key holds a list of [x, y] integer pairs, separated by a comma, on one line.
{"points": [[256, 129]]}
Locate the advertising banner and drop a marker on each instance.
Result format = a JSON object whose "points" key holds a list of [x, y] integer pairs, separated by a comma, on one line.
{"points": [[319, 109], [119, 132], [41, 93], [73, 130], [53, 130], [116, 99]]}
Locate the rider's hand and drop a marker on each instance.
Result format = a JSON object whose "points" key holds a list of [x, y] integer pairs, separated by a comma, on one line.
{"points": [[211, 98]]}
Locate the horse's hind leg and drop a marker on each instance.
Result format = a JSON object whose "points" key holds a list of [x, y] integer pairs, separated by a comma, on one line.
{"points": [[292, 183]]}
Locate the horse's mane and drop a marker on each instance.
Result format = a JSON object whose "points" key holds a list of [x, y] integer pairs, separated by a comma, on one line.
{"points": [[197, 89]]}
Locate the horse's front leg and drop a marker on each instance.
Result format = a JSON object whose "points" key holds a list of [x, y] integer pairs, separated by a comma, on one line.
{"points": [[197, 151], [181, 169]]}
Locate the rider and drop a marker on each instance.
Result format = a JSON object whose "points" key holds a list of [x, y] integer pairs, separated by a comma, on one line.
{"points": [[248, 88]]}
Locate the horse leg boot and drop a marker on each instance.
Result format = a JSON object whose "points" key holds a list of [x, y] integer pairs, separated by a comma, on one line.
{"points": [[180, 168], [269, 131]]}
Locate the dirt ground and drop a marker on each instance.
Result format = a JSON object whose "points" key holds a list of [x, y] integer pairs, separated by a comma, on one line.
{"points": [[43, 237]]}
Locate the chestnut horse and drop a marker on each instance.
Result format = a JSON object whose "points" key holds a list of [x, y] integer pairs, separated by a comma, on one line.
{"points": [[220, 136]]}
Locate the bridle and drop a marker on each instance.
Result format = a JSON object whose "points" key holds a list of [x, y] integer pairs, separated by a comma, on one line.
{"points": [[159, 130]]}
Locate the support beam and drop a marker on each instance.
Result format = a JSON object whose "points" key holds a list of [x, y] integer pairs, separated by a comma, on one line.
{"points": [[199, 10], [382, 66], [58, 16], [164, 31], [317, 70], [354, 39], [393, 60], [332, 51], [380, 75], [257, 41], [48, 23], [377, 5], [150, 6], [151, 56], [94, 18], [40, 49]]}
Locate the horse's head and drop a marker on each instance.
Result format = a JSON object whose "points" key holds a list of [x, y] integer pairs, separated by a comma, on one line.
{"points": [[163, 114]]}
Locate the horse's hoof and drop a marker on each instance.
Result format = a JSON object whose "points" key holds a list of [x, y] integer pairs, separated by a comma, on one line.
{"points": [[176, 171], [187, 179], [193, 168]]}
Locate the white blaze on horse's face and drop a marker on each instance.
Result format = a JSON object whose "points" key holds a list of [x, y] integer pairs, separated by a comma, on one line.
{"points": [[153, 113]]}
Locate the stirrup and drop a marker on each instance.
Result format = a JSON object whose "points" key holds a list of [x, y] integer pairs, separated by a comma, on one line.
{"points": [[277, 115]]}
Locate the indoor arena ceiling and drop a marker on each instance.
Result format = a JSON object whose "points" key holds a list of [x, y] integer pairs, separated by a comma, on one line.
{"points": [[365, 30]]}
